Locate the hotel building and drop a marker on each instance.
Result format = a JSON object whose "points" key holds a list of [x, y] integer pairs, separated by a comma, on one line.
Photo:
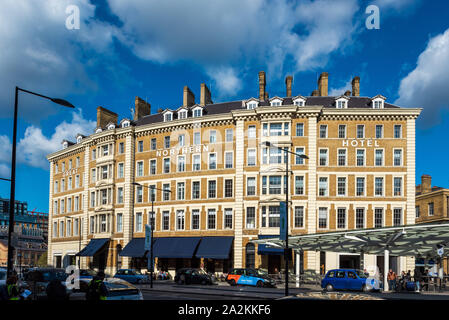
{"points": [[225, 185]]}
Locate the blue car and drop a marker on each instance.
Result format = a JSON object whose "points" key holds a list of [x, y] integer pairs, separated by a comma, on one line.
{"points": [[132, 276], [250, 277], [349, 279]]}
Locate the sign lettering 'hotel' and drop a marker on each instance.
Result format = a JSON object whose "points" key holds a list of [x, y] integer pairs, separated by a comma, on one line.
{"points": [[218, 187]]}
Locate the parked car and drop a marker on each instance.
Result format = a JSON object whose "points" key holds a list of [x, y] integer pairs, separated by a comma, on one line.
{"points": [[349, 279], [250, 277], [118, 289], [132, 276], [37, 280], [2, 276], [193, 276]]}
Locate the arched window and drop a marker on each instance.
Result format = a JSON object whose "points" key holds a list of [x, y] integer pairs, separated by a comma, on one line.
{"points": [[250, 255]]}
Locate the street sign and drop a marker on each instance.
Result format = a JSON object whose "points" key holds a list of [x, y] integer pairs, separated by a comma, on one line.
{"points": [[283, 221], [147, 237], [440, 251]]}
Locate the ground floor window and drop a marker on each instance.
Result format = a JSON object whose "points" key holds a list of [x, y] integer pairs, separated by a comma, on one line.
{"points": [[250, 255]]}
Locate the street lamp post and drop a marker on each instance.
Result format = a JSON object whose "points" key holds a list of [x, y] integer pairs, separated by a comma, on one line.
{"points": [[152, 188], [286, 252], [13, 168]]}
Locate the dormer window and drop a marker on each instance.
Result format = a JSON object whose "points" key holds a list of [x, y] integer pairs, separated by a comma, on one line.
{"points": [[341, 102], [378, 102], [252, 104], [98, 130], [168, 116], [299, 101], [65, 144], [197, 112], [111, 126], [78, 139], [125, 124], [275, 102], [182, 114]]}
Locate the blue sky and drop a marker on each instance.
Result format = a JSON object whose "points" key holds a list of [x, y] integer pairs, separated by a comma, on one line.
{"points": [[152, 49]]}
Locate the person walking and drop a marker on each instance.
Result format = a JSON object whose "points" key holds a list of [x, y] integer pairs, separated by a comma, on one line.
{"points": [[11, 287], [96, 289], [391, 277], [418, 278]]}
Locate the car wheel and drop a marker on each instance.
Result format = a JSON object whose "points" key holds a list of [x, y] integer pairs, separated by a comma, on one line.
{"points": [[233, 282], [259, 284], [365, 288], [329, 287], [182, 279]]}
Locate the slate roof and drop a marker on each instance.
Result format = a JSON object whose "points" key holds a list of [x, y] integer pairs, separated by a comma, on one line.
{"points": [[225, 107]]}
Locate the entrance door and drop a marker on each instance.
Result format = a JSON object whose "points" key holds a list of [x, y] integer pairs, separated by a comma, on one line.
{"points": [[350, 261], [274, 264]]}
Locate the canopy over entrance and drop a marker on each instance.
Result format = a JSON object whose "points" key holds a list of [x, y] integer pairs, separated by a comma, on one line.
{"points": [[421, 240]]}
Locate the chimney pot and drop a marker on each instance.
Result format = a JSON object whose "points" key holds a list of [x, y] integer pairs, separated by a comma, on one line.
{"points": [[323, 84], [205, 95], [262, 84], [347, 93], [426, 183], [314, 93], [104, 116], [142, 108], [288, 85], [188, 97], [356, 86]]}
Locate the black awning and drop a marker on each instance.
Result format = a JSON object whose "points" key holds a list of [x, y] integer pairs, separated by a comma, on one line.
{"points": [[214, 247], [135, 248], [92, 247], [175, 247]]}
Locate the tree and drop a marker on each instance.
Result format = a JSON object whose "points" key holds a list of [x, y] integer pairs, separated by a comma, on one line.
{"points": [[42, 262]]}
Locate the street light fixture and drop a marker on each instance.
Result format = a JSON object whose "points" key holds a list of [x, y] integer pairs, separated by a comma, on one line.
{"points": [[152, 224], [303, 156], [12, 199]]}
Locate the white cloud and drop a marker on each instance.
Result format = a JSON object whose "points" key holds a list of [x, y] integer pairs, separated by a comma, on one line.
{"points": [[426, 85], [5, 171], [39, 53], [218, 35], [333, 92], [396, 4], [35, 146]]}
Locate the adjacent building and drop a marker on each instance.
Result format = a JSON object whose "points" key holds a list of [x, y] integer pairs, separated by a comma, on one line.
{"points": [[30, 240], [432, 206], [214, 185]]}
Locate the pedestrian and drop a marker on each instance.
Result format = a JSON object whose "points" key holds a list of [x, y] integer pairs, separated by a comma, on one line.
{"points": [[11, 287], [418, 278], [391, 277], [96, 289], [403, 281], [425, 281], [56, 291]]}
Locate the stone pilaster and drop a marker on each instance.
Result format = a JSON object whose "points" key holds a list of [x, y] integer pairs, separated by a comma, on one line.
{"points": [[238, 213], [128, 214], [50, 216], [312, 262]]}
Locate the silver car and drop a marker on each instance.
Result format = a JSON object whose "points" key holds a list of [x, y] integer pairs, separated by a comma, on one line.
{"points": [[117, 289]]}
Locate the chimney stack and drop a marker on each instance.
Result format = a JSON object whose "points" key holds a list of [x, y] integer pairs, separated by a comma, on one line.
{"points": [[288, 85], [314, 93], [356, 86], [262, 84], [322, 84], [426, 183], [188, 97], [104, 116], [142, 108], [205, 95]]}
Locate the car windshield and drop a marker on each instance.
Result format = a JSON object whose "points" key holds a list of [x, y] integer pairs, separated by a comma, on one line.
{"points": [[87, 273], [54, 275], [262, 272], [199, 271], [361, 274], [135, 272]]}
